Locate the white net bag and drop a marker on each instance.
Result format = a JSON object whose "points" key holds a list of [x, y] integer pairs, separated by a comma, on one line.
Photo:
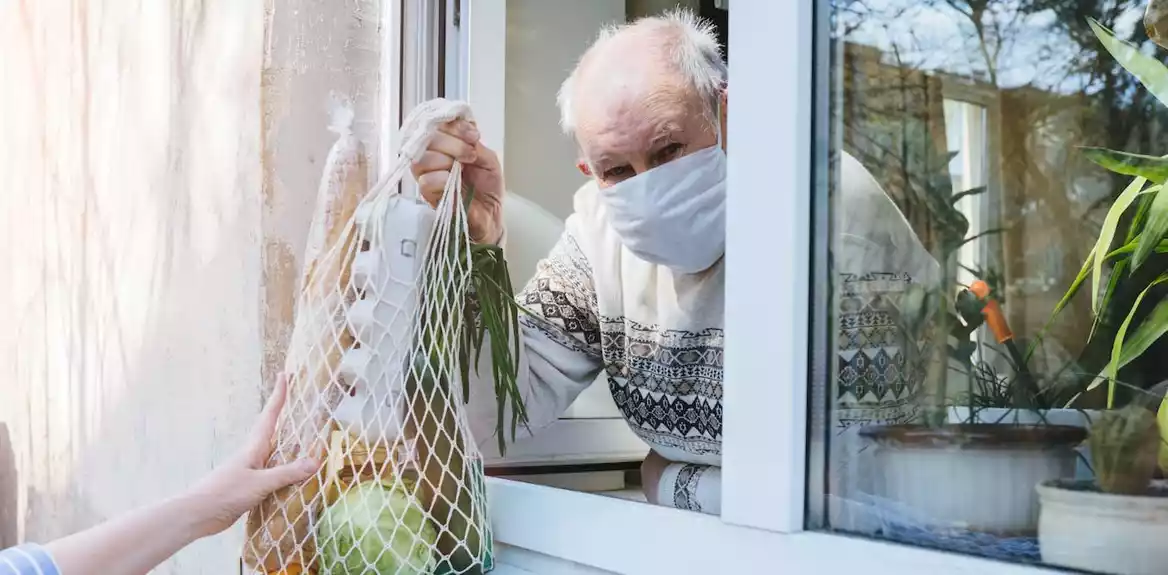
{"points": [[394, 308]]}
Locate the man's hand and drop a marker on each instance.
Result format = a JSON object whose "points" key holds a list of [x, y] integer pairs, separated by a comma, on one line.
{"points": [[481, 173], [651, 470], [243, 481]]}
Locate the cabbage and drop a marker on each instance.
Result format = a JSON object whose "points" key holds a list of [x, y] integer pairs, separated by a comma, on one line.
{"points": [[376, 528]]}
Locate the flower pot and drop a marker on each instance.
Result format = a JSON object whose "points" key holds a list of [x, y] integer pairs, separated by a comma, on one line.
{"points": [[1083, 528], [1010, 416], [1072, 417], [976, 477]]}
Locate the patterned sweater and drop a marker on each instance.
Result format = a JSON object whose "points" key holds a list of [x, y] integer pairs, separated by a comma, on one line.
{"points": [[656, 334]]}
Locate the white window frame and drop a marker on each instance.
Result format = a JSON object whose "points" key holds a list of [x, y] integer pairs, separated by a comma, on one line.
{"points": [[546, 530], [571, 441]]}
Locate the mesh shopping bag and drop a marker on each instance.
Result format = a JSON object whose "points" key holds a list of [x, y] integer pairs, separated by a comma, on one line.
{"points": [[394, 309]]}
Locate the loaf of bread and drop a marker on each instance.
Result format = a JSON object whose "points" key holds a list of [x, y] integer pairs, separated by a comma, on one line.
{"points": [[279, 530]]}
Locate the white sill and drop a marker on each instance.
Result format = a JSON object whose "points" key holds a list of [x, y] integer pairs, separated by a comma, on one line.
{"points": [[571, 442], [506, 569], [621, 536]]}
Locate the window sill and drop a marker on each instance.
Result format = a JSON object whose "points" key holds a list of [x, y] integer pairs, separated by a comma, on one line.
{"points": [[575, 531], [572, 442]]}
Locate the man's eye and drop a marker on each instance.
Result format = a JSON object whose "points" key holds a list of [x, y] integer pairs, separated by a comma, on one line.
{"points": [[617, 173], [668, 153]]}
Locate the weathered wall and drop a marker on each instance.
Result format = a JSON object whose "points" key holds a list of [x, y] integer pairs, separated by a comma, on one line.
{"points": [[156, 174], [130, 205], [314, 49]]}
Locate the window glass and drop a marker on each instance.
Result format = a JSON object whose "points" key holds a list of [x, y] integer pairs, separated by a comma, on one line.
{"points": [[631, 304], [993, 389]]}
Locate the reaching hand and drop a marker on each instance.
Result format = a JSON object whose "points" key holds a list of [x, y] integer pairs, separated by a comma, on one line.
{"points": [[137, 542], [242, 482], [459, 140]]}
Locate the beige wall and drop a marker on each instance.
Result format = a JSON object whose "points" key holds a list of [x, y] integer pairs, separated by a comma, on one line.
{"points": [[639, 8], [130, 206], [544, 40], [153, 207]]}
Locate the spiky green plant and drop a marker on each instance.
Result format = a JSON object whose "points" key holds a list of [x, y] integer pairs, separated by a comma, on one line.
{"points": [[472, 293], [485, 312], [491, 312], [1147, 233]]}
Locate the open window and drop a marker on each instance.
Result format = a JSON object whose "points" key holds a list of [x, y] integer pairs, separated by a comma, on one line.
{"points": [[850, 120]]}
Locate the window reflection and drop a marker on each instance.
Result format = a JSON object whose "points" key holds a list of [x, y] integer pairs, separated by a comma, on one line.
{"points": [[964, 208]]}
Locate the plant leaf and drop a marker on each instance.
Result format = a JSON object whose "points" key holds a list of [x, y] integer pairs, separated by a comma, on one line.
{"points": [[981, 235], [1137, 220], [1117, 343], [1107, 234], [1162, 420], [1151, 72], [1112, 282], [970, 192], [1155, 169], [1153, 327], [1154, 229], [1075, 285]]}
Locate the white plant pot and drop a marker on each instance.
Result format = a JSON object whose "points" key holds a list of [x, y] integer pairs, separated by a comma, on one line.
{"points": [[972, 477], [1082, 528], [1071, 417], [1009, 416]]}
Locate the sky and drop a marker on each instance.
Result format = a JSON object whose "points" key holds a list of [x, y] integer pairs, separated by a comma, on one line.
{"points": [[939, 38]]}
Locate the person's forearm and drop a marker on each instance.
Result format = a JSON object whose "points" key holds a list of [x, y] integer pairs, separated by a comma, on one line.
{"points": [[132, 544], [691, 487]]}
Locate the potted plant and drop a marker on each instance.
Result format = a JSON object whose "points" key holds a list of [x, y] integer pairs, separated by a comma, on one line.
{"points": [[1014, 395], [990, 401], [1118, 522], [970, 476]]}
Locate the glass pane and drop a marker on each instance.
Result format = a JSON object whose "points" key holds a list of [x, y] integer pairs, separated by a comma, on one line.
{"points": [[635, 342], [970, 403]]}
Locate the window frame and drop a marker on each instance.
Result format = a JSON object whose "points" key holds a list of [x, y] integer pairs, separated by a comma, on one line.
{"points": [[776, 194], [481, 25]]}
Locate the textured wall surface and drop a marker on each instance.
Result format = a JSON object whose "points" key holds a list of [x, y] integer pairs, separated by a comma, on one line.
{"points": [[130, 211], [158, 161]]}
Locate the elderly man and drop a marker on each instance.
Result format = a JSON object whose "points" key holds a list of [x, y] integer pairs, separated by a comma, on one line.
{"points": [[635, 285]]}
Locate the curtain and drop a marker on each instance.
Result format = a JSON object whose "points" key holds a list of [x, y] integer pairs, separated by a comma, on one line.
{"points": [[158, 165]]}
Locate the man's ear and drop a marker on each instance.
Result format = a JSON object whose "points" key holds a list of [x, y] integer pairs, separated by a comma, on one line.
{"points": [[583, 167]]}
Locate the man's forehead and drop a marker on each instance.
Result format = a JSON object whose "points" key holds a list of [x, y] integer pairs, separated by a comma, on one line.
{"points": [[629, 119]]}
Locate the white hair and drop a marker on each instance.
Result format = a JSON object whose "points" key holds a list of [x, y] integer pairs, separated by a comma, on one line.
{"points": [[691, 46]]}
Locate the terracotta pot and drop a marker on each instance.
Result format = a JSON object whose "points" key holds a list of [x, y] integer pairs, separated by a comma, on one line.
{"points": [[1083, 528], [978, 477]]}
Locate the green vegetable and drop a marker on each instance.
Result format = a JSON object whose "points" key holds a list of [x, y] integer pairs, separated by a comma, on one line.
{"points": [[377, 528]]}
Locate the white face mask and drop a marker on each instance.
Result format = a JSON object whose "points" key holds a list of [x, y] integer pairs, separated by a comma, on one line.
{"points": [[675, 214]]}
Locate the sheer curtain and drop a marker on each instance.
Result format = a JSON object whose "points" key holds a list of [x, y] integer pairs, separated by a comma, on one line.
{"points": [[158, 161]]}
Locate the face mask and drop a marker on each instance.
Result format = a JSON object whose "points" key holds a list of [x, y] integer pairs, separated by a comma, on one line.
{"points": [[675, 214]]}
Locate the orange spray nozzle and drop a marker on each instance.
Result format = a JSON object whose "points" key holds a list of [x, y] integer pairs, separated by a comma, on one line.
{"points": [[992, 312]]}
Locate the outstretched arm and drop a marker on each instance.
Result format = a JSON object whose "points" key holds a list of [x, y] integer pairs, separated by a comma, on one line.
{"points": [[686, 486], [135, 543]]}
